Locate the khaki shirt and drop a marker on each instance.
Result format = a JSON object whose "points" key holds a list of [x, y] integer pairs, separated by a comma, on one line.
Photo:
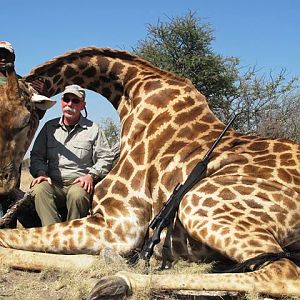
{"points": [[65, 156]]}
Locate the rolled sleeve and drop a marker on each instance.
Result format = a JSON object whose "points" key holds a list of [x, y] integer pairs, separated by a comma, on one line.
{"points": [[102, 156]]}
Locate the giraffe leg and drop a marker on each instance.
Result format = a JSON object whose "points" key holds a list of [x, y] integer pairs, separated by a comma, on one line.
{"points": [[277, 279], [35, 261]]}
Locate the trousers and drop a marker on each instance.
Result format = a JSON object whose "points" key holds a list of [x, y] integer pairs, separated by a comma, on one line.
{"points": [[52, 201]]}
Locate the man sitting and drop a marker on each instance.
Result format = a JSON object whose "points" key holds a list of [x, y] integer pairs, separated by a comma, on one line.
{"points": [[69, 155]]}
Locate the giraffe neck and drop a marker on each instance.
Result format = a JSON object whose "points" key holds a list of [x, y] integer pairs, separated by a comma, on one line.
{"points": [[164, 119], [113, 74], [128, 82]]}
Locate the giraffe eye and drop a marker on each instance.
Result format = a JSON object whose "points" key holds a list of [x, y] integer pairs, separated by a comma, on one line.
{"points": [[25, 122]]}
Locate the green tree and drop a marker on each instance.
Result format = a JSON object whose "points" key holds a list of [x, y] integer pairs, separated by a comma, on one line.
{"points": [[259, 96], [111, 131], [183, 46]]}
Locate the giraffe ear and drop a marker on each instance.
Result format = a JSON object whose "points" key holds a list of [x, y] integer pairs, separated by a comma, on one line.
{"points": [[42, 102]]}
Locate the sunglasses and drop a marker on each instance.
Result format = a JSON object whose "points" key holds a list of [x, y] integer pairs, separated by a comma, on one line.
{"points": [[73, 100]]}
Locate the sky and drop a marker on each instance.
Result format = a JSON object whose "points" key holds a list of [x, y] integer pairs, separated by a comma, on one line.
{"points": [[261, 33]]}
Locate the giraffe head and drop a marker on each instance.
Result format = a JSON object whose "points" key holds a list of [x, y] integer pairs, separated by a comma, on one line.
{"points": [[19, 121]]}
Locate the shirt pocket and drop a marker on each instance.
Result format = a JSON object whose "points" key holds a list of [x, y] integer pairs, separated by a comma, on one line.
{"points": [[52, 151], [83, 149]]}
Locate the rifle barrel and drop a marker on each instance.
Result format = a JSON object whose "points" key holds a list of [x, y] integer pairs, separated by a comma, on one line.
{"points": [[216, 142]]}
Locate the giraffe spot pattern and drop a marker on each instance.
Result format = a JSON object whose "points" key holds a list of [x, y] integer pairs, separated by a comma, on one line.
{"points": [[227, 194], [161, 98], [152, 85], [126, 170], [280, 147], [145, 116], [157, 123], [137, 180], [259, 146], [120, 188], [284, 176], [138, 154], [89, 72], [70, 72], [192, 114]]}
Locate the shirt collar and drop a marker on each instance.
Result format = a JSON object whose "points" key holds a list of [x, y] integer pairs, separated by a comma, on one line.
{"points": [[81, 122]]}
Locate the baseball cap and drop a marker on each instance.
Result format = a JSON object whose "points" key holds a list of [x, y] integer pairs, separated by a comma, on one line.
{"points": [[76, 90], [8, 46]]}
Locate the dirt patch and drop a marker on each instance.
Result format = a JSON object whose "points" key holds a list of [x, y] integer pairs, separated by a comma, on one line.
{"points": [[28, 285], [56, 284], [72, 285]]}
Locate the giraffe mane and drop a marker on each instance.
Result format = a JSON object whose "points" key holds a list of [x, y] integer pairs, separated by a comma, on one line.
{"points": [[92, 50]]}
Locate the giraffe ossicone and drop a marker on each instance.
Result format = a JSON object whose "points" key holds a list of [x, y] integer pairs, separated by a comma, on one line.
{"points": [[249, 203]]}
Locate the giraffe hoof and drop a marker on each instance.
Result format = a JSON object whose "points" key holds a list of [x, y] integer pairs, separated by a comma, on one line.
{"points": [[110, 287]]}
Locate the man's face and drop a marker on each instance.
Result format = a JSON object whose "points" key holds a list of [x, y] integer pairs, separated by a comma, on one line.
{"points": [[6, 57], [71, 106]]}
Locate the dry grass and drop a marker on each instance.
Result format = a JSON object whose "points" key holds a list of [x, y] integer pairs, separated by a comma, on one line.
{"points": [[69, 285]]}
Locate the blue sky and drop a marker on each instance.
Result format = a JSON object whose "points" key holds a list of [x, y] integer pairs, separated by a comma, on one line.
{"points": [[264, 33]]}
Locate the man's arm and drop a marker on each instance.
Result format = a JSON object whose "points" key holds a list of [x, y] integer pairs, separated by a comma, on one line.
{"points": [[40, 86], [116, 152], [102, 156]]}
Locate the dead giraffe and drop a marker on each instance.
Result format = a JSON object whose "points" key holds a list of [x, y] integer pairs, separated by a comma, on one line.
{"points": [[248, 204]]}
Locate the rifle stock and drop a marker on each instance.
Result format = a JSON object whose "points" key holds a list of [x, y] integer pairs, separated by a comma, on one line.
{"points": [[160, 221]]}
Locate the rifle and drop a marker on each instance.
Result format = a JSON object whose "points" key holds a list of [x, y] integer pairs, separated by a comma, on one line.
{"points": [[165, 217]]}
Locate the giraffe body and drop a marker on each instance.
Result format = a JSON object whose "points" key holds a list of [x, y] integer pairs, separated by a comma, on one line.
{"points": [[248, 204]]}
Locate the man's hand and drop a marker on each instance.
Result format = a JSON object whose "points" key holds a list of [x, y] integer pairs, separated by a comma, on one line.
{"points": [[85, 182], [40, 86], [39, 179]]}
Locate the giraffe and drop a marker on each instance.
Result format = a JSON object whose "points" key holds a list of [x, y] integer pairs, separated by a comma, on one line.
{"points": [[19, 121], [246, 206]]}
